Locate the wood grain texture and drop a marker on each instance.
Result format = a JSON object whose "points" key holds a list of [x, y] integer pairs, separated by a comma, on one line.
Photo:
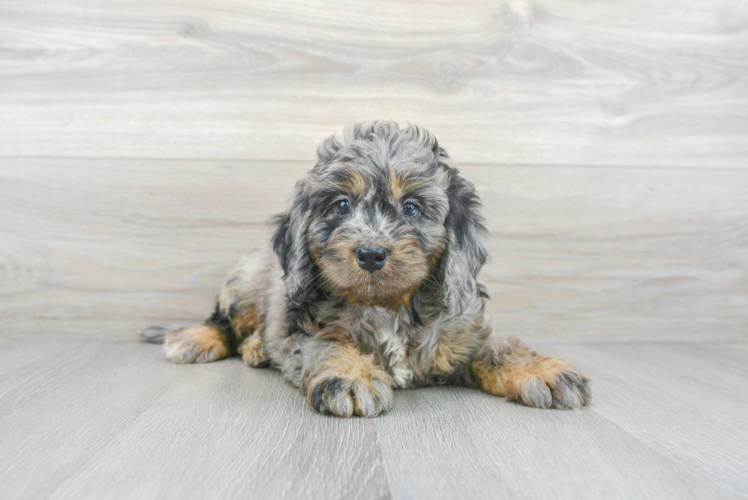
{"points": [[102, 247], [116, 420], [686, 396], [629, 82]]}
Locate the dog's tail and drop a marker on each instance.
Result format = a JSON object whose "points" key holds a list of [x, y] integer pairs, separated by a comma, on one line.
{"points": [[155, 334]]}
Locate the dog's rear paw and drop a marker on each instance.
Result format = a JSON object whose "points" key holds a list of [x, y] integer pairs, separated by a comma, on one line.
{"points": [[198, 344], [336, 396]]}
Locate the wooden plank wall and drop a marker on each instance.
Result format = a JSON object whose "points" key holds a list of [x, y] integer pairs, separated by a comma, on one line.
{"points": [[145, 143]]}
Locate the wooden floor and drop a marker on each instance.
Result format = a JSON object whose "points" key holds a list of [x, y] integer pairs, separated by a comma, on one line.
{"points": [[114, 419], [144, 144]]}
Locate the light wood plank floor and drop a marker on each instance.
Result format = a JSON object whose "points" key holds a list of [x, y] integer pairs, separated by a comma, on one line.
{"points": [[114, 419]]}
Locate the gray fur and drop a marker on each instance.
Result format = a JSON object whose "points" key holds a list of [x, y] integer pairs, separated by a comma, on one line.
{"points": [[536, 393]]}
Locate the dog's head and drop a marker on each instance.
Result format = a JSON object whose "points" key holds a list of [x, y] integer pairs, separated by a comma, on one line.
{"points": [[381, 213]]}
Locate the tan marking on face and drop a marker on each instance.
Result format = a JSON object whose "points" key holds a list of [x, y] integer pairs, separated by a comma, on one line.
{"points": [[392, 286], [314, 252], [438, 253], [406, 268], [399, 185], [338, 264], [353, 184]]}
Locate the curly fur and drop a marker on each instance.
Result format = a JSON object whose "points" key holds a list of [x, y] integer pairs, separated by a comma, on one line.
{"points": [[347, 336]]}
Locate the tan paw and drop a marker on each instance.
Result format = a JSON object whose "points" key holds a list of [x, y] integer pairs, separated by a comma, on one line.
{"points": [[198, 344], [519, 374], [253, 353], [347, 382]]}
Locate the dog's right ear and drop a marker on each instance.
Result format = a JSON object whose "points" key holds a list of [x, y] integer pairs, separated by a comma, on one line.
{"points": [[290, 243]]}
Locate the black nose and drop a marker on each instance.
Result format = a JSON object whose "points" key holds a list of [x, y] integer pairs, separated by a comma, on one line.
{"points": [[372, 259]]}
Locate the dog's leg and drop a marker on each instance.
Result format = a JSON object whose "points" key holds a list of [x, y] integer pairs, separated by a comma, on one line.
{"points": [[337, 378], [222, 335], [216, 339], [246, 324], [253, 352], [506, 367]]}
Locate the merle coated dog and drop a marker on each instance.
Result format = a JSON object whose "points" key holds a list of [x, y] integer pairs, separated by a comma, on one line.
{"points": [[373, 285]]}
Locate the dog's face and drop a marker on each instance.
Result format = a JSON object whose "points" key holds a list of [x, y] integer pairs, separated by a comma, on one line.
{"points": [[377, 230], [380, 213]]}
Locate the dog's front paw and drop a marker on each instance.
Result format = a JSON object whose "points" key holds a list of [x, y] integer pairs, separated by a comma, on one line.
{"points": [[553, 383], [506, 367], [344, 382], [343, 398]]}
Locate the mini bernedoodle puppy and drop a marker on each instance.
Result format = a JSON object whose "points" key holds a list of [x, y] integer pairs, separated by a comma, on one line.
{"points": [[373, 286]]}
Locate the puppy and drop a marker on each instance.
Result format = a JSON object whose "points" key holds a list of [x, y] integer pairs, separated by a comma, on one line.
{"points": [[373, 287]]}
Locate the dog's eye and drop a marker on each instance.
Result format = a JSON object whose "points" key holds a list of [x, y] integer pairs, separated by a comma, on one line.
{"points": [[342, 207], [410, 209]]}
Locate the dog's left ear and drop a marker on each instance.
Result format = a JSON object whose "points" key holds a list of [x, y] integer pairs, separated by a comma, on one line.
{"points": [[465, 251], [290, 243]]}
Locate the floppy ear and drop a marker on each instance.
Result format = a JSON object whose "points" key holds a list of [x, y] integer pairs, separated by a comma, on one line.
{"points": [[465, 251], [291, 245]]}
